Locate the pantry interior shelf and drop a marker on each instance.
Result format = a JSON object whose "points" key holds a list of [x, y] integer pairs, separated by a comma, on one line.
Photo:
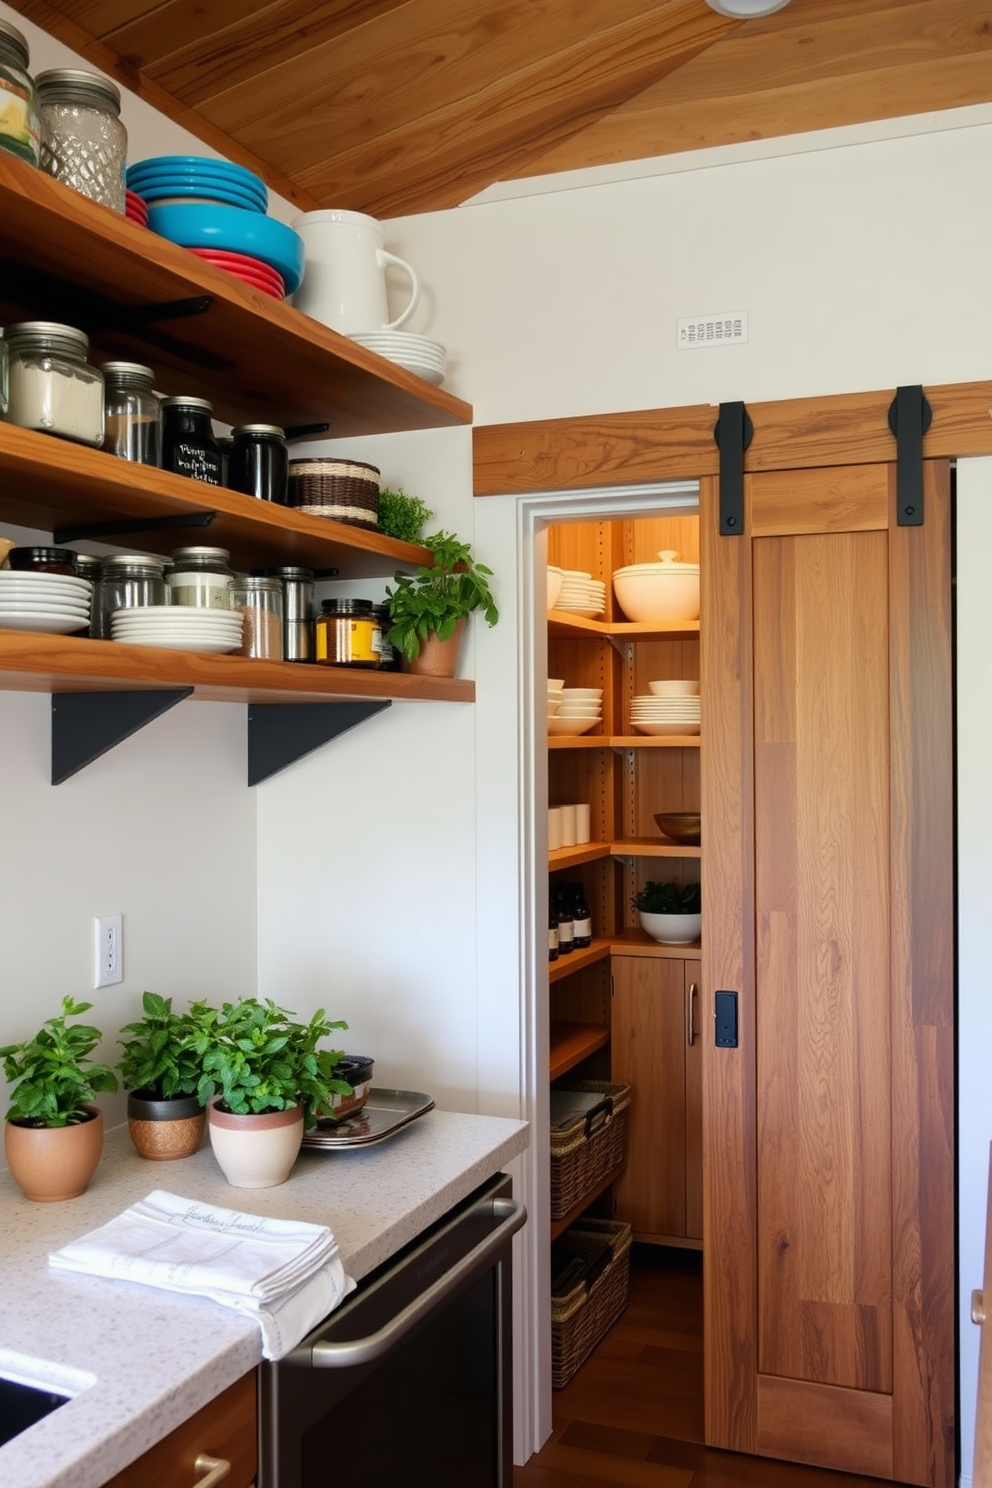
{"points": [[253, 356], [633, 847], [570, 1043], [561, 623], [558, 1226], [574, 961], [623, 741]]}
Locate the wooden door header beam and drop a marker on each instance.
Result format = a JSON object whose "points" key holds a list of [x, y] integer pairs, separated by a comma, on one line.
{"points": [[573, 454]]}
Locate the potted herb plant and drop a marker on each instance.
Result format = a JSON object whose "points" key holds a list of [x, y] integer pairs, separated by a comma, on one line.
{"points": [[428, 609], [53, 1133], [400, 515], [161, 1069], [669, 912], [267, 1077]]}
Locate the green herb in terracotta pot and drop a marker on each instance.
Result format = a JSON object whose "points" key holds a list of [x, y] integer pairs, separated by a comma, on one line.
{"points": [[431, 605]]}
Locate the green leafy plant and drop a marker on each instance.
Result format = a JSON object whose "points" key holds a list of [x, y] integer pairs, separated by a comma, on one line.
{"points": [[162, 1058], [402, 516], [435, 598], [259, 1059], [667, 898], [53, 1074]]}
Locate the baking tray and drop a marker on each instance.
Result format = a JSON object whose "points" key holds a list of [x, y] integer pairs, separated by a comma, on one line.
{"points": [[385, 1112]]}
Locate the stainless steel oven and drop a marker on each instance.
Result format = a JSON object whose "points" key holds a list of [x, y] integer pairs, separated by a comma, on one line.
{"points": [[410, 1380]]}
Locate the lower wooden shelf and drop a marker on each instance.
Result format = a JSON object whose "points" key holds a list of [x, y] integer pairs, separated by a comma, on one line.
{"points": [[559, 1225], [574, 961], [570, 1043]]}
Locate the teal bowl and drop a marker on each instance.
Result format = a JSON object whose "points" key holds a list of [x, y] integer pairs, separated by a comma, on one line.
{"points": [[203, 225]]}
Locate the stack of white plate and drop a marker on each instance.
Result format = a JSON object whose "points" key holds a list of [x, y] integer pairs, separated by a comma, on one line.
{"points": [[650, 714], [56, 604], [428, 359], [178, 627], [581, 594]]}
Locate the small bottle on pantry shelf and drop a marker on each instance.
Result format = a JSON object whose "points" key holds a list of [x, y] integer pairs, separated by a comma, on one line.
{"points": [[566, 927], [581, 918], [552, 928]]}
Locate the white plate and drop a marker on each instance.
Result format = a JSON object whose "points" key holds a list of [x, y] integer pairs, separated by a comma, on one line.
{"points": [[201, 619], [16, 581], [184, 643], [44, 607], [174, 612], [45, 624], [661, 729]]}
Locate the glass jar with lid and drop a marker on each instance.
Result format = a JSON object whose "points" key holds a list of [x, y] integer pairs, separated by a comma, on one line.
{"points": [[83, 141], [188, 444], [260, 601], [258, 462], [127, 581], [202, 577], [20, 128], [132, 413], [52, 387], [346, 633], [297, 610]]}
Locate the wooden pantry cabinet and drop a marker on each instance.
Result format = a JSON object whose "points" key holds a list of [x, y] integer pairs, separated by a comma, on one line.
{"points": [[142, 298], [620, 1009], [217, 1444]]}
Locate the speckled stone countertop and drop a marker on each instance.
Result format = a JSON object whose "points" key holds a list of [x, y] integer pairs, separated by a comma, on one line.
{"points": [[142, 1360]]}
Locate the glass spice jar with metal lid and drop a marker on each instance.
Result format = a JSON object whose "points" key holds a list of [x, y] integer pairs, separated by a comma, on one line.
{"points": [[347, 633], [258, 462], [83, 141], [202, 577], [297, 610], [188, 444], [51, 385], [43, 560], [260, 601], [132, 413], [128, 581], [20, 127]]}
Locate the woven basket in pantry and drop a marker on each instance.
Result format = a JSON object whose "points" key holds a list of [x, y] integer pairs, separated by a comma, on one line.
{"points": [[590, 1280], [345, 490], [582, 1154]]}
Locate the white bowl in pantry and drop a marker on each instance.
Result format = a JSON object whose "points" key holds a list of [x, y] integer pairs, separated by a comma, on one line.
{"points": [[673, 687], [581, 694], [671, 929], [664, 592], [558, 725], [554, 585]]}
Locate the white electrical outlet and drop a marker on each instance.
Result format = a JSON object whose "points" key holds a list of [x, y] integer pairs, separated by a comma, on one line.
{"points": [[109, 965], [696, 331]]}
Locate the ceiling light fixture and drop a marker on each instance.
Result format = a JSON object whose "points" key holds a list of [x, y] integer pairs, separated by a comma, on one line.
{"points": [[745, 10]]}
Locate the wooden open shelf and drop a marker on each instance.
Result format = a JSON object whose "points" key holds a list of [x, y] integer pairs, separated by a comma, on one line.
{"points": [[558, 1226], [573, 1042], [574, 961], [623, 741], [560, 623]]}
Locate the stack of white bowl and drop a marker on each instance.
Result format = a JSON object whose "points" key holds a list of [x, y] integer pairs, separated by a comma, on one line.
{"points": [[555, 685], [554, 586], [579, 709], [581, 594], [670, 707]]}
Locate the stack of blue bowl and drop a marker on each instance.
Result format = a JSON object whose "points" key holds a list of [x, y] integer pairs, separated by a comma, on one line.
{"points": [[202, 203]]}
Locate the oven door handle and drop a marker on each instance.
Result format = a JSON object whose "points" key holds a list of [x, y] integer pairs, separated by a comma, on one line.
{"points": [[349, 1353]]}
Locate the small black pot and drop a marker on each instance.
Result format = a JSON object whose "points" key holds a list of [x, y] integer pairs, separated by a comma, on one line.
{"points": [[162, 1129]]}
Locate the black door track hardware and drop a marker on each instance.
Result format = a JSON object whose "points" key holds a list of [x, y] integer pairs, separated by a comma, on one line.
{"points": [[910, 416], [733, 433], [725, 1018]]}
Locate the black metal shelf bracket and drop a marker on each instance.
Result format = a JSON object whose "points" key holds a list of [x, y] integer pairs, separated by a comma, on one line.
{"points": [[279, 734], [910, 416], [733, 433], [100, 530], [86, 725]]}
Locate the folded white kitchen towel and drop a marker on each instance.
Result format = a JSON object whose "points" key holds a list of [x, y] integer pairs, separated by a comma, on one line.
{"points": [[285, 1274]]}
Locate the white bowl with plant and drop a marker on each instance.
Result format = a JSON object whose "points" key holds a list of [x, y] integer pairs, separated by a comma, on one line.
{"points": [[669, 912]]}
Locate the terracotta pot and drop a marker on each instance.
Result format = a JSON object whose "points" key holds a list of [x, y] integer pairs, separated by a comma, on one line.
{"points": [[255, 1151], [51, 1163], [164, 1129], [438, 658]]}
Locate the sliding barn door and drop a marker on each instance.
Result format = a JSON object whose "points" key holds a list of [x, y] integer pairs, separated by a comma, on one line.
{"points": [[828, 909]]}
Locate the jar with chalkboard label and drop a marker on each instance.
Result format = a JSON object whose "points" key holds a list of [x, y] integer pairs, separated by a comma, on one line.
{"points": [[188, 444]]}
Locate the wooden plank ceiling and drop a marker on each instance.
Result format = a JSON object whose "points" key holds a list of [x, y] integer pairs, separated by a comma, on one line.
{"points": [[397, 106]]}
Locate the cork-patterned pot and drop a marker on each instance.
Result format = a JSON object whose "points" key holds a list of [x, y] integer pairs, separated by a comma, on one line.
{"points": [[51, 1163], [164, 1129]]}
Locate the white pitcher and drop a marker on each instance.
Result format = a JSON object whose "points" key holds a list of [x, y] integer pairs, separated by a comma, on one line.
{"points": [[344, 284]]}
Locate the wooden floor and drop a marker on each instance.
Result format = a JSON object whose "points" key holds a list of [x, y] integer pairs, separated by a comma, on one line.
{"points": [[632, 1417]]}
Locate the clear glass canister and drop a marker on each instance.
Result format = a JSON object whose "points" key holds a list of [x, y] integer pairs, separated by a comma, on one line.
{"points": [[346, 633], [20, 128], [83, 141], [52, 386], [202, 577], [132, 413], [260, 601], [128, 581], [188, 444]]}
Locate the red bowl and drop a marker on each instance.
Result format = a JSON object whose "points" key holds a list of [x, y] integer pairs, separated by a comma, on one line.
{"points": [[235, 262], [260, 284]]}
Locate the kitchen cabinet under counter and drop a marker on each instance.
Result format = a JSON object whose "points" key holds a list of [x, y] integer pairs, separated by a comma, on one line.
{"points": [[142, 1362]]}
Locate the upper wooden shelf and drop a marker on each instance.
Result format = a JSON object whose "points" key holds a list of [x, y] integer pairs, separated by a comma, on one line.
{"points": [[623, 741], [65, 258], [561, 624], [52, 483]]}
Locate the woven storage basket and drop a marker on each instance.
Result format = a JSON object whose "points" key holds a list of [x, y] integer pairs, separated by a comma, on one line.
{"points": [[346, 490], [593, 1146], [590, 1266]]}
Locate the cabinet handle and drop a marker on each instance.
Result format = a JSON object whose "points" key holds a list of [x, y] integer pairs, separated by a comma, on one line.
{"points": [[978, 1307], [214, 1469], [690, 1013]]}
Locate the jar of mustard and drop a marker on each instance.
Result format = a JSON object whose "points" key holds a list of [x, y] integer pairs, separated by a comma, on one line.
{"points": [[347, 633]]}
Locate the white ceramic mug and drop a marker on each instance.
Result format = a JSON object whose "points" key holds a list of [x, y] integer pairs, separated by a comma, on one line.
{"points": [[344, 284]]}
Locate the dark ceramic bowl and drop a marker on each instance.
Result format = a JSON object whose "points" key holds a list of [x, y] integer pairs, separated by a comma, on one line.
{"points": [[681, 826]]}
